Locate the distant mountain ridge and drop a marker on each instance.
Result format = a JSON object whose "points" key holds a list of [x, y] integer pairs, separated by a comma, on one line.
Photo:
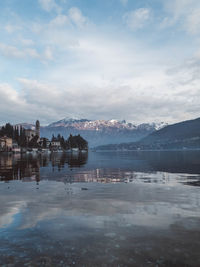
{"points": [[99, 132], [85, 124], [67, 121], [182, 135]]}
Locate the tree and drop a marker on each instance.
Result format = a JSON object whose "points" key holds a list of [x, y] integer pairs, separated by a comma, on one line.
{"points": [[7, 130], [53, 138], [45, 143], [22, 137], [72, 142], [34, 142], [62, 143], [16, 134], [77, 142]]}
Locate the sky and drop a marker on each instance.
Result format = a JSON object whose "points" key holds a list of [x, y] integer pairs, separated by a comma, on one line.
{"points": [[137, 60]]}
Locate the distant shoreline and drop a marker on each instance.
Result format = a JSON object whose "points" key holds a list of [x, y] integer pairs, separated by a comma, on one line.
{"points": [[141, 150]]}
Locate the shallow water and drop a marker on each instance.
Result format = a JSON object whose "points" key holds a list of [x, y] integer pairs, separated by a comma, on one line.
{"points": [[100, 209]]}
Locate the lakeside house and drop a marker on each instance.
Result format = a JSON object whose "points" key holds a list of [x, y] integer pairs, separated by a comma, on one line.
{"points": [[55, 144], [6, 143]]}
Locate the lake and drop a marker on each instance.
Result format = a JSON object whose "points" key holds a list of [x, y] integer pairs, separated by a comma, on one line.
{"points": [[100, 209]]}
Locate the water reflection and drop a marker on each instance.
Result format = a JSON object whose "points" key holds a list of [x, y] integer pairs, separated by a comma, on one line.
{"points": [[146, 167], [28, 167], [151, 219]]}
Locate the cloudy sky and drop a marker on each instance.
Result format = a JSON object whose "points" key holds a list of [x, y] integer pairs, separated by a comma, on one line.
{"points": [[137, 60]]}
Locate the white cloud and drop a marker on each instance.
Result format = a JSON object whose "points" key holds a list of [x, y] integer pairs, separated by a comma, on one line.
{"points": [[11, 51], [31, 52], [124, 2], [25, 53], [179, 7], [49, 5], [193, 21], [77, 17], [15, 106], [36, 27], [60, 20], [136, 19], [11, 28], [14, 52], [127, 80], [186, 13], [12, 106], [48, 54], [149, 95], [27, 42]]}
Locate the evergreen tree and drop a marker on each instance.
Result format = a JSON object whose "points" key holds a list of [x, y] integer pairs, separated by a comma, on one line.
{"points": [[45, 143], [7, 130], [16, 134], [58, 137], [22, 138], [77, 142], [62, 142], [34, 142]]}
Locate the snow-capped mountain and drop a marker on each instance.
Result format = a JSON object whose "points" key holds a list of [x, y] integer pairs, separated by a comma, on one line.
{"points": [[99, 132], [96, 125], [67, 122], [152, 126]]}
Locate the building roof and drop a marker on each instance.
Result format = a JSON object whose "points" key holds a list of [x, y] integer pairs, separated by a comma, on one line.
{"points": [[5, 138]]}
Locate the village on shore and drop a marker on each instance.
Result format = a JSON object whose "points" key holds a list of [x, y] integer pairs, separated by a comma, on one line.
{"points": [[17, 139]]}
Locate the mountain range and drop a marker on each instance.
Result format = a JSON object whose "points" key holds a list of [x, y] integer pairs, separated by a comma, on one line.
{"points": [[182, 135], [99, 132]]}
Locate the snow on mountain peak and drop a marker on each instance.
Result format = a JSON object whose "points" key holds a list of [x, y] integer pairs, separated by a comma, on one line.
{"points": [[159, 125], [100, 125]]}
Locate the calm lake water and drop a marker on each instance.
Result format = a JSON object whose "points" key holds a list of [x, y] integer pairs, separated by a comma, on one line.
{"points": [[100, 209]]}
